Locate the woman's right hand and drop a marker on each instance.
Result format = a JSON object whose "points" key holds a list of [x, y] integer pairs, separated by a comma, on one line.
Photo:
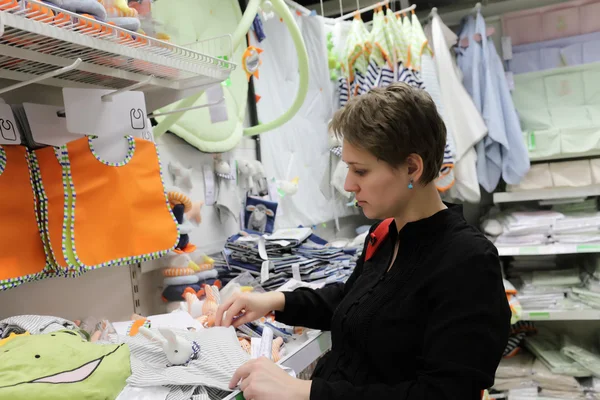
{"points": [[248, 307]]}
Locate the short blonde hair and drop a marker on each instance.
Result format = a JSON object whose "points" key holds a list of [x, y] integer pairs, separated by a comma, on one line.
{"points": [[393, 122]]}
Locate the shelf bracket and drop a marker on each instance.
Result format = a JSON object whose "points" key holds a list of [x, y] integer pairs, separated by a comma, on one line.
{"points": [[109, 96], [40, 78]]}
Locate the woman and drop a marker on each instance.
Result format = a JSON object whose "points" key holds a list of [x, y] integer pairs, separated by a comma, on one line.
{"points": [[425, 317]]}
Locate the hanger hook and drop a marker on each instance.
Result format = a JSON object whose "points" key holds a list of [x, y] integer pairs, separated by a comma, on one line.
{"points": [[341, 9]]}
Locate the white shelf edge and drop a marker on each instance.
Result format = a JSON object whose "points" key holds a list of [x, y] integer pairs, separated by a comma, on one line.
{"points": [[550, 249], [561, 315], [305, 355], [547, 194]]}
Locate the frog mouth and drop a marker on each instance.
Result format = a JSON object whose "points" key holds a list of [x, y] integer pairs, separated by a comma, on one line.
{"points": [[75, 375]]}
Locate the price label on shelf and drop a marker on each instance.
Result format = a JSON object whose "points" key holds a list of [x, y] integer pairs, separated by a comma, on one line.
{"points": [[9, 131], [527, 251], [588, 248]]}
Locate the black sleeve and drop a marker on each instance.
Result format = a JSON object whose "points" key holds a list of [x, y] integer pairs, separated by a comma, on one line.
{"points": [[467, 331], [314, 308]]}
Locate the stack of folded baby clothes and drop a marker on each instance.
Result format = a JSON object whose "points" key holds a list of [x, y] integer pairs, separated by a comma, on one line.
{"points": [[89, 8], [120, 14]]}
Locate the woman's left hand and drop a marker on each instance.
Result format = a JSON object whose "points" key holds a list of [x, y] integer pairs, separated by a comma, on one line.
{"points": [[262, 379]]}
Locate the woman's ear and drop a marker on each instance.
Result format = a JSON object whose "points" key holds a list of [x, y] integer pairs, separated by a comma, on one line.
{"points": [[414, 162]]}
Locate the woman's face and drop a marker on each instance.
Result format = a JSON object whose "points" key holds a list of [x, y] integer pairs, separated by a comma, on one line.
{"points": [[381, 190]]}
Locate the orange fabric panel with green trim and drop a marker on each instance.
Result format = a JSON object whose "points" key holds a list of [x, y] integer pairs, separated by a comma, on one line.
{"points": [[121, 211], [22, 255]]}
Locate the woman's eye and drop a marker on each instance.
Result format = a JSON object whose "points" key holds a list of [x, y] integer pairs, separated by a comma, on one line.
{"points": [[360, 172]]}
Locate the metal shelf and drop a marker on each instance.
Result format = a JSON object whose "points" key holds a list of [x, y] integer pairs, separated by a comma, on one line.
{"points": [[561, 315], [547, 194], [36, 38], [549, 249], [301, 356]]}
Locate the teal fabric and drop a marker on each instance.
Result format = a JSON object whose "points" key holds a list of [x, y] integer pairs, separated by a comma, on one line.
{"points": [[560, 111]]}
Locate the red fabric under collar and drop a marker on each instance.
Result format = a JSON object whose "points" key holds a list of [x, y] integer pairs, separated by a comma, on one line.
{"points": [[377, 237]]}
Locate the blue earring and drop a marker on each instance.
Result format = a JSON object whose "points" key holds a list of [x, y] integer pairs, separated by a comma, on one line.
{"points": [[410, 184]]}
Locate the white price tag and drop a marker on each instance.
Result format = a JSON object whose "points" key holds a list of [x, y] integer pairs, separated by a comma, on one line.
{"points": [[296, 272], [262, 248], [122, 115], [264, 271], [9, 131], [510, 80], [507, 53], [209, 185], [273, 195], [46, 126]]}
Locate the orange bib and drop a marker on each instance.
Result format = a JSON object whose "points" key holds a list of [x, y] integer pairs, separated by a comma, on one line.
{"points": [[121, 213], [51, 187], [22, 256]]}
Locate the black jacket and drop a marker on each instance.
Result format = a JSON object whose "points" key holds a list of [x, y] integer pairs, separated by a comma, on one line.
{"points": [[433, 327]]}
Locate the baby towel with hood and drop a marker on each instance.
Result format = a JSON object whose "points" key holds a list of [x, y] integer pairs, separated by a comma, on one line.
{"points": [[462, 116]]}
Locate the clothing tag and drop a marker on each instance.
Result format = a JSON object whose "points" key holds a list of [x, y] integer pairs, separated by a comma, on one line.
{"points": [[9, 131], [510, 80], [209, 185], [255, 347], [507, 53], [46, 126], [266, 343], [273, 195], [218, 112], [122, 115], [264, 271], [262, 248], [296, 272]]}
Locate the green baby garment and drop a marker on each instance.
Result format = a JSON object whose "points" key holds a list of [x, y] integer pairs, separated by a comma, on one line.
{"points": [[61, 365]]}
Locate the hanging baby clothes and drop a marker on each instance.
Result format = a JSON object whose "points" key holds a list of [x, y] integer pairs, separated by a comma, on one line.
{"points": [[462, 116], [478, 61], [355, 59], [121, 213], [22, 255], [380, 72], [422, 59], [405, 71]]}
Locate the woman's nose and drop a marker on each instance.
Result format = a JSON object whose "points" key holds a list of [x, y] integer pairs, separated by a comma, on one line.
{"points": [[350, 185]]}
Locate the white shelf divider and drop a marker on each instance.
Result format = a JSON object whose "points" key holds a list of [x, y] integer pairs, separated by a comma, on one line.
{"points": [[547, 194], [561, 315], [550, 249]]}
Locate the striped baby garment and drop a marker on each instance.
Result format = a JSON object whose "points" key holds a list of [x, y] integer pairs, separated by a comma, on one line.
{"points": [[220, 356], [36, 324]]}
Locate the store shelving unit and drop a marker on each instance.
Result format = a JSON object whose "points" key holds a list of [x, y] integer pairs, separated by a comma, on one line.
{"points": [[547, 194], [37, 38]]}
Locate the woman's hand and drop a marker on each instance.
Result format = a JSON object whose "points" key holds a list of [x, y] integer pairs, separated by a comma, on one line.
{"points": [[262, 379], [248, 307]]}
